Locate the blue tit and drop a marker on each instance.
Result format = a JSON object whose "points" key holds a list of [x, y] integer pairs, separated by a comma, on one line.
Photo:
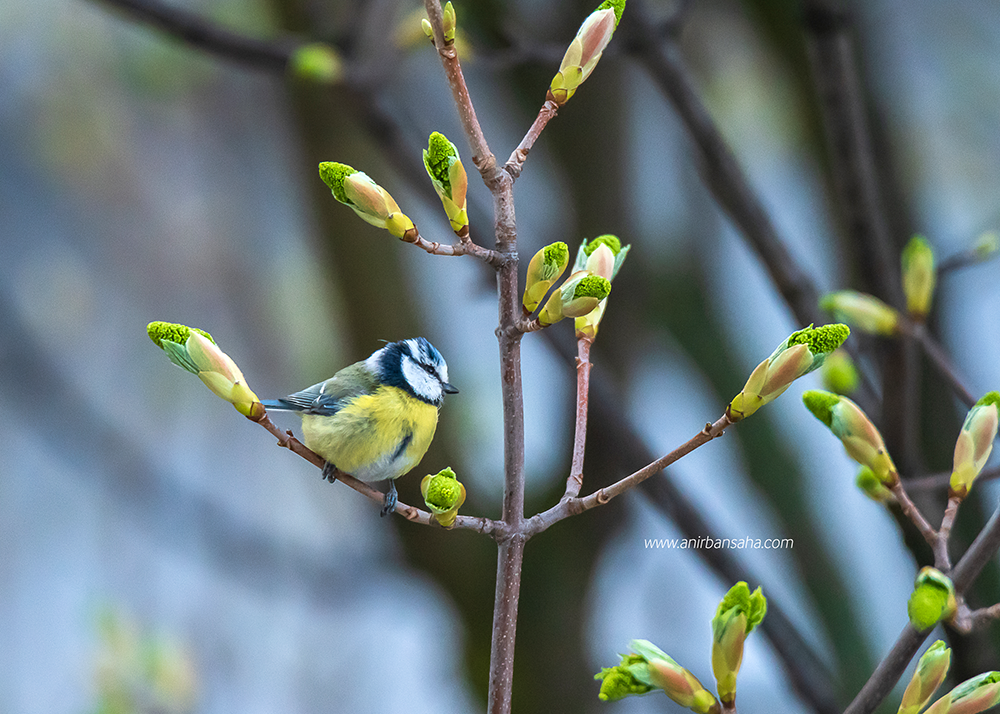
{"points": [[376, 418]]}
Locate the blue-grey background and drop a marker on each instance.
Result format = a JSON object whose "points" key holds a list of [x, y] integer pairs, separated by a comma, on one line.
{"points": [[142, 180]]}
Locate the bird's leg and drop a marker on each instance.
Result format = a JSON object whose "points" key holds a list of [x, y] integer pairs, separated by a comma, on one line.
{"points": [[389, 503], [329, 472]]}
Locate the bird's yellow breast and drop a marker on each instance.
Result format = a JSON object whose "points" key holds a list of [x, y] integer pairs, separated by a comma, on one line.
{"points": [[375, 436]]}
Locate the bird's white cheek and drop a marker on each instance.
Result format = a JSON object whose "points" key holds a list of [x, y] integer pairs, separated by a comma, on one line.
{"points": [[424, 385]]}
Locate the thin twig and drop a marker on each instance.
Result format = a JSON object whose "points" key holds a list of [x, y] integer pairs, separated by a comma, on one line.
{"points": [[572, 506], [944, 533], [464, 246], [411, 513], [981, 617], [575, 481], [517, 158], [911, 511]]}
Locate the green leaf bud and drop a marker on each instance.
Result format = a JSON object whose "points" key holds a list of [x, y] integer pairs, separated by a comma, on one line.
{"points": [[975, 443], [839, 374], [933, 599], [585, 50], [870, 485], [861, 440], [971, 696], [735, 618], [593, 286], [619, 681], [317, 62], [544, 269], [195, 351], [443, 495], [918, 276], [927, 677], [172, 332], [866, 312], [437, 159], [609, 240], [333, 175], [799, 354]]}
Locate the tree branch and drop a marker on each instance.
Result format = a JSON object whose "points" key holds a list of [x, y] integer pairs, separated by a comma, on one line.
{"points": [[517, 158], [575, 481], [410, 513], [571, 506], [892, 667]]}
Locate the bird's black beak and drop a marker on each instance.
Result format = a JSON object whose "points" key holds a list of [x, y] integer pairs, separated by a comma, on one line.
{"points": [[449, 389]]}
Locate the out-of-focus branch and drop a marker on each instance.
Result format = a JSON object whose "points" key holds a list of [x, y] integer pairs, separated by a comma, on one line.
{"points": [[195, 30], [720, 169], [571, 506], [852, 159]]}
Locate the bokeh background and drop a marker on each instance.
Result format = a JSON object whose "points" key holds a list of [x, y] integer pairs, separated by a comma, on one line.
{"points": [[158, 553]]}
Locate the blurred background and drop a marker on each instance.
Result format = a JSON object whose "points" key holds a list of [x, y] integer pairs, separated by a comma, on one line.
{"points": [[158, 553]]}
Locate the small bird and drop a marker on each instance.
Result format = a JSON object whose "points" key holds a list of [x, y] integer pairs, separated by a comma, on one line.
{"points": [[376, 418]]}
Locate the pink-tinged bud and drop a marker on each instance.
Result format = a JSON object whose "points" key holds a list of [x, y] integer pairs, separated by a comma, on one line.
{"points": [[584, 52], [677, 682], [194, 351], [975, 442], [736, 617], [971, 696], [800, 353], [602, 262], [861, 440], [928, 676]]}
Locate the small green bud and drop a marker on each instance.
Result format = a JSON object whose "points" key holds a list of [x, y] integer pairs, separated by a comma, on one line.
{"points": [[585, 50], [971, 696], [927, 677], [987, 246], [821, 340], [593, 286], [555, 256], [918, 276], [437, 159], [735, 618], [866, 312], [449, 22], [172, 332], [619, 682], [195, 351], [799, 354], [450, 180], [975, 443], [317, 62], [443, 495], [861, 440], [870, 485], [425, 25], [333, 175], [838, 373], [821, 404], [933, 599]]}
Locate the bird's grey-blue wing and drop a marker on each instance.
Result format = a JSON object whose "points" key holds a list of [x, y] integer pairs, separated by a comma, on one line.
{"points": [[329, 397]]}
